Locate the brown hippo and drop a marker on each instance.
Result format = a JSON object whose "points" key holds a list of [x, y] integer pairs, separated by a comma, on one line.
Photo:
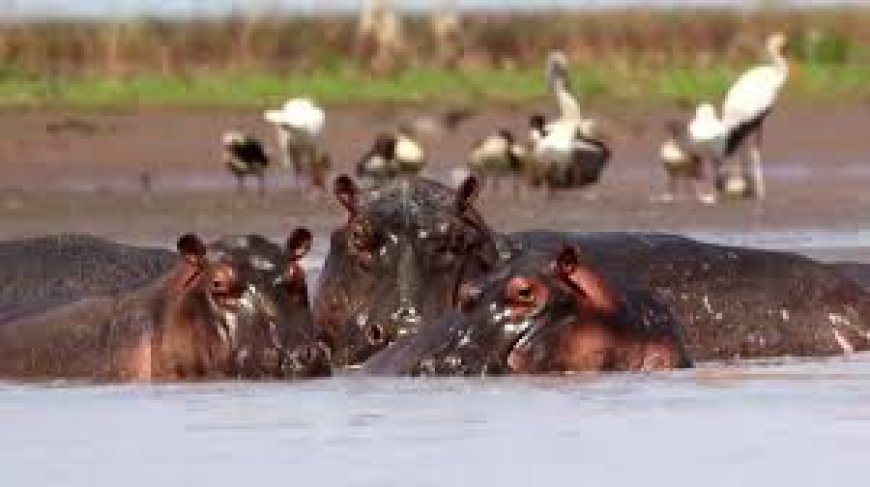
{"points": [[43, 272], [729, 302], [637, 302], [732, 302], [237, 308], [397, 262], [541, 313]]}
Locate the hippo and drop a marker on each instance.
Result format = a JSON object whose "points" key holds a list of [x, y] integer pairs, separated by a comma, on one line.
{"points": [[237, 308], [732, 302], [397, 262], [728, 302], [636, 302], [43, 272], [541, 313]]}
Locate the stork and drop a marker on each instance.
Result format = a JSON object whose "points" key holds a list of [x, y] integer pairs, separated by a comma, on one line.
{"points": [[299, 122], [746, 106], [682, 162], [244, 156]]}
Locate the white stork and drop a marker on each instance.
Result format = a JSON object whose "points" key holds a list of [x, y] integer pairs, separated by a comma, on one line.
{"points": [[299, 122], [747, 104], [682, 162]]}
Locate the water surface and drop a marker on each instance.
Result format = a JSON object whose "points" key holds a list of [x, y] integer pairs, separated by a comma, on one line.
{"points": [[795, 423]]}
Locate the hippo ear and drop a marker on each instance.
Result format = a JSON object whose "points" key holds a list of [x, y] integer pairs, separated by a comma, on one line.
{"points": [[467, 193], [567, 261], [347, 193], [299, 244], [590, 287], [191, 246]]}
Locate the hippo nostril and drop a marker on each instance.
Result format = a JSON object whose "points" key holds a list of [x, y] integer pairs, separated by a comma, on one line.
{"points": [[375, 334]]}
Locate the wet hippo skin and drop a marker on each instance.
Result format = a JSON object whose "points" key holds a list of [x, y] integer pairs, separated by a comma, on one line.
{"points": [[397, 262], [541, 313], [732, 302], [44, 272]]}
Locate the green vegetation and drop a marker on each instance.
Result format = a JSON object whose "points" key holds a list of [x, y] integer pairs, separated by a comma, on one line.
{"points": [[653, 57], [664, 85]]}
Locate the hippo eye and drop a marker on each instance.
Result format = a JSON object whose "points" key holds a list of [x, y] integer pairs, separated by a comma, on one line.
{"points": [[525, 292]]}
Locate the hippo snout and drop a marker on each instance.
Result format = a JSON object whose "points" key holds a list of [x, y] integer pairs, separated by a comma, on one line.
{"points": [[310, 360]]}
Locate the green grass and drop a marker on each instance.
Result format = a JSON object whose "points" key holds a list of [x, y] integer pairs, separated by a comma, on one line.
{"points": [[344, 84]]}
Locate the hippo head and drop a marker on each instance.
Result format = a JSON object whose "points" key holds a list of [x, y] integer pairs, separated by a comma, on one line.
{"points": [[538, 313], [397, 262], [240, 307]]}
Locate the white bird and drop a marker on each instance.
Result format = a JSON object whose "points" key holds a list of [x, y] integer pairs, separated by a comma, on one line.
{"points": [[299, 122], [682, 162], [747, 104]]}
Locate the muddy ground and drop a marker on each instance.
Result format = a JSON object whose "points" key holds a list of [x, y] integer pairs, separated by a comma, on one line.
{"points": [[66, 171]]}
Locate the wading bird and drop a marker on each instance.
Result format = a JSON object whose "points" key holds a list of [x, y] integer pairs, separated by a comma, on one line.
{"points": [[299, 122], [244, 156], [391, 155], [497, 156], [747, 104], [683, 164], [566, 151]]}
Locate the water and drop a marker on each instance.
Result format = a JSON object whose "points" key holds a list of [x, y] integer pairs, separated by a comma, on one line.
{"points": [[789, 422], [798, 423], [195, 8]]}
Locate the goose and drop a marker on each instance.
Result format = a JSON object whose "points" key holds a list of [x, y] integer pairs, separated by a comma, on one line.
{"points": [[563, 157], [682, 162], [498, 155], [245, 156], [746, 106], [391, 154], [299, 122]]}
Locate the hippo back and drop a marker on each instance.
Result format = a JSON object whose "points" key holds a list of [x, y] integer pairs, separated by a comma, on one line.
{"points": [[45, 272], [733, 302]]}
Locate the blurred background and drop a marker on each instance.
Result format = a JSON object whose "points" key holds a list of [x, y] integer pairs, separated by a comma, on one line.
{"points": [[116, 108]]}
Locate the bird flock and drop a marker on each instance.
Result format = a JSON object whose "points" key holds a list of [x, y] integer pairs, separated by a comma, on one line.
{"points": [[709, 157]]}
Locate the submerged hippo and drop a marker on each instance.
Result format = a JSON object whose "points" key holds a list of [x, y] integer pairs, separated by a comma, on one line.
{"points": [[237, 308], [397, 262], [541, 313], [639, 302], [732, 302], [44, 272]]}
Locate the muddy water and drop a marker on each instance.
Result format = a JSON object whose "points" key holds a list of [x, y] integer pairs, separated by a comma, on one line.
{"points": [[799, 423]]}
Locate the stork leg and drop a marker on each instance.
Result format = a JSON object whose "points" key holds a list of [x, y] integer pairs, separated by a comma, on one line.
{"points": [[756, 167]]}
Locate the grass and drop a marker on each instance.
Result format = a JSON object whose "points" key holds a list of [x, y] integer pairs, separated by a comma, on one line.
{"points": [[632, 56], [678, 84]]}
